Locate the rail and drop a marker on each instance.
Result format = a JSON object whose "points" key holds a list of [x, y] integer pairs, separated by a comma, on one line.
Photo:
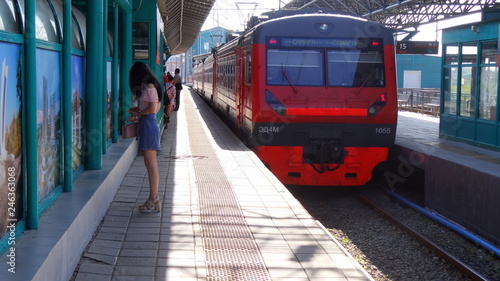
{"points": [[462, 267], [423, 100]]}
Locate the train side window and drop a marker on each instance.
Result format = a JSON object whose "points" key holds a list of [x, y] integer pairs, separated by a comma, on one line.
{"points": [[8, 19], [248, 67], [46, 27]]}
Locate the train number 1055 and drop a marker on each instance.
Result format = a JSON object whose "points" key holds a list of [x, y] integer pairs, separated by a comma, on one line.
{"points": [[382, 130]]}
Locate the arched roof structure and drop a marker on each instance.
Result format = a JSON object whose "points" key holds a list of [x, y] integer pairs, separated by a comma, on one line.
{"points": [[397, 14], [183, 20]]}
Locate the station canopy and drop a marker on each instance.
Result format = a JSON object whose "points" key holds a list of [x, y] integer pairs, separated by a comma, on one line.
{"points": [[183, 20], [397, 14]]}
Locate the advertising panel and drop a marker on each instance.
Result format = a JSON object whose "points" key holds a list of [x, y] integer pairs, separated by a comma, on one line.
{"points": [[48, 103], [11, 207], [77, 109]]}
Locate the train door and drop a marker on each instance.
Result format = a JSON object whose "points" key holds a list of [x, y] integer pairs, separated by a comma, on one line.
{"points": [[244, 84]]}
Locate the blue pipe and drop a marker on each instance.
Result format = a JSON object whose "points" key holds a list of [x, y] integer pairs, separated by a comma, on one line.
{"points": [[446, 223]]}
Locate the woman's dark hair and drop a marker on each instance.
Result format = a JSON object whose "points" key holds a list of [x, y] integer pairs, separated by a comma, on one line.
{"points": [[140, 73]]}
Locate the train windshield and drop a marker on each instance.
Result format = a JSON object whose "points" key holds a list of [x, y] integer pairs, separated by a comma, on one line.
{"points": [[295, 67], [355, 68], [308, 62]]}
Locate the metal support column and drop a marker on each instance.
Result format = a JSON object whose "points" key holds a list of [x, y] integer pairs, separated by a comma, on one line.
{"points": [[104, 97], [67, 99], [126, 63], [30, 116], [93, 97], [114, 80]]}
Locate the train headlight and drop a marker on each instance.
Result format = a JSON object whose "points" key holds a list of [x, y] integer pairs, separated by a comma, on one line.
{"points": [[377, 105], [372, 111]]}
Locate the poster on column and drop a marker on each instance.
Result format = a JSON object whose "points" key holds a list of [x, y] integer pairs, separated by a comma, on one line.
{"points": [[77, 111], [11, 207], [48, 106]]}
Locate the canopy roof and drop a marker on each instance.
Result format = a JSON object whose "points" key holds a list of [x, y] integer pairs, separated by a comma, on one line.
{"points": [[397, 14], [183, 20]]}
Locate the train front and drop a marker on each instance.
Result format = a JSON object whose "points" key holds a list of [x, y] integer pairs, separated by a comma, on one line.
{"points": [[325, 104]]}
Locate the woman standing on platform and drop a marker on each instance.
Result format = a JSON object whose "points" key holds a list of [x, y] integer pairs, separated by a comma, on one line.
{"points": [[147, 90]]}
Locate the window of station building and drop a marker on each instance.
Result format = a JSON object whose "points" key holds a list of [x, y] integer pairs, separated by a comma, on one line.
{"points": [[110, 45], [468, 91], [450, 81], [488, 81], [140, 40], [451, 57], [46, 27], [489, 52], [76, 36], [469, 53], [468, 79], [9, 20], [81, 25]]}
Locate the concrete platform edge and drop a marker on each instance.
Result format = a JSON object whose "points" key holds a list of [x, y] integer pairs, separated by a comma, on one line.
{"points": [[343, 249]]}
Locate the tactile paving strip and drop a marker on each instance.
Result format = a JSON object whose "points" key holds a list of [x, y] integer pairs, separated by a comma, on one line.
{"points": [[230, 250]]}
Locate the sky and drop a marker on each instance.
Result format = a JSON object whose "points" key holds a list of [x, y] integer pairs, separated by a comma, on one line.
{"points": [[232, 15], [432, 31]]}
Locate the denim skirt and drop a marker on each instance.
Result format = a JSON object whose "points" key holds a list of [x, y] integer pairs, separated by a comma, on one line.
{"points": [[149, 132]]}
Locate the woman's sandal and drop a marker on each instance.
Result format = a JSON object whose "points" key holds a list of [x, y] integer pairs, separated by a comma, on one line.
{"points": [[151, 205]]}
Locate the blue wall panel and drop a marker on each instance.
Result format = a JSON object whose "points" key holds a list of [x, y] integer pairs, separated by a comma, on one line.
{"points": [[430, 66]]}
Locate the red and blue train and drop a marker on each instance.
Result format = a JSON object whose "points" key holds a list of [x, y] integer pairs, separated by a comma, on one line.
{"points": [[314, 95]]}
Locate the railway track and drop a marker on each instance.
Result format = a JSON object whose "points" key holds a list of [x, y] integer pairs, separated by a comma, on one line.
{"points": [[380, 236], [462, 267]]}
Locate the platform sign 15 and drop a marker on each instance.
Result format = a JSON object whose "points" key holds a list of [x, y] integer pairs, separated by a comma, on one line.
{"points": [[417, 47]]}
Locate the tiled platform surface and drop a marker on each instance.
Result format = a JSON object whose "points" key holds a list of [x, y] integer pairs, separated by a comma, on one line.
{"points": [[224, 217]]}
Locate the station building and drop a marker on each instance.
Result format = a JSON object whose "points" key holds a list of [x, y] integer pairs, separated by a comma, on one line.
{"points": [[469, 92]]}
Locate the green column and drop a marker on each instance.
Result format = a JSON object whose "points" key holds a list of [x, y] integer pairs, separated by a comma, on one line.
{"points": [[126, 63], [93, 93], [30, 117], [124, 5], [67, 98], [114, 80], [105, 76]]}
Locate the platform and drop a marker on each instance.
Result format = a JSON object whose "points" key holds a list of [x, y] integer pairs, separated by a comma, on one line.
{"points": [[224, 217], [462, 181]]}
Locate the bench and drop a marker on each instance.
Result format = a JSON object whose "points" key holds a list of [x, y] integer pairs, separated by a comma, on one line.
{"points": [[405, 99], [432, 108]]}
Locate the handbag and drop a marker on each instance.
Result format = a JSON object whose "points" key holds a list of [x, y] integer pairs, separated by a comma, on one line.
{"points": [[129, 130]]}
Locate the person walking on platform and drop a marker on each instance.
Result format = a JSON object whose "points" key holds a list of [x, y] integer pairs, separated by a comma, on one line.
{"points": [[147, 90], [178, 87], [170, 93]]}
